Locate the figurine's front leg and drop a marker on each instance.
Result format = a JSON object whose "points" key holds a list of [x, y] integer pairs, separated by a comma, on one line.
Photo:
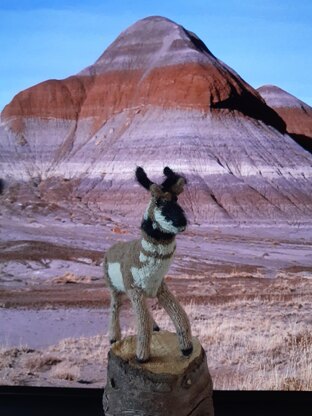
{"points": [[181, 322], [144, 324]]}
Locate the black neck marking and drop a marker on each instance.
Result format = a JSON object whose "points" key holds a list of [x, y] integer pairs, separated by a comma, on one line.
{"points": [[155, 233]]}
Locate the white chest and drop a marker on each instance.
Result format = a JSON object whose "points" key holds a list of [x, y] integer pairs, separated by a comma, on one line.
{"points": [[151, 274]]}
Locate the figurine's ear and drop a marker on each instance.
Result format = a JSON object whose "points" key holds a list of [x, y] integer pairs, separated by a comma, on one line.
{"points": [[168, 172], [178, 187], [156, 191], [174, 182], [142, 178]]}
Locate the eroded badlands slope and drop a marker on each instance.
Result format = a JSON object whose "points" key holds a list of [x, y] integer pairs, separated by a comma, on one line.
{"points": [[156, 96]]}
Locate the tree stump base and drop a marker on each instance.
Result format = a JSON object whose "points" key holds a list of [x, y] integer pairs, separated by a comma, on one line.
{"points": [[167, 385]]}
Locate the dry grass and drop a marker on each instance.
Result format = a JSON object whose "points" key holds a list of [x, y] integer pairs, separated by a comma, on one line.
{"points": [[254, 344], [65, 371], [250, 345], [42, 362], [72, 362]]}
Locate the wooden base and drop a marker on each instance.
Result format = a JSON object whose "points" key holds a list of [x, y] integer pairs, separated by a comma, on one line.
{"points": [[169, 384]]}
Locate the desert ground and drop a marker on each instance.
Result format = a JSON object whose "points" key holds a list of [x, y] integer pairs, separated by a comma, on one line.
{"points": [[247, 289]]}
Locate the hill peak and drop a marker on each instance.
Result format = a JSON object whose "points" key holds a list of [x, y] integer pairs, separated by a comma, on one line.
{"points": [[154, 41], [276, 97]]}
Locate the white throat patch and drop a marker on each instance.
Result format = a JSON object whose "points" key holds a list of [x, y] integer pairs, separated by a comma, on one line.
{"points": [[164, 224]]}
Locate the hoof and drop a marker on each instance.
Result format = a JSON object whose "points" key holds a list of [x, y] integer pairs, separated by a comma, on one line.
{"points": [[156, 328], [112, 341], [140, 360], [188, 351]]}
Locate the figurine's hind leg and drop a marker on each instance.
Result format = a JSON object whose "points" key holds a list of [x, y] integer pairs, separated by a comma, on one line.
{"points": [[179, 318], [114, 323]]}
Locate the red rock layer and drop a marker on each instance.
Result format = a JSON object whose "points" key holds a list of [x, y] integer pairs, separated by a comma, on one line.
{"points": [[50, 99], [190, 85], [298, 121]]}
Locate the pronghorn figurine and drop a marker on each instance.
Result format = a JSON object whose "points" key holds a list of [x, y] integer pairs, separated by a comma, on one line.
{"points": [[137, 268]]}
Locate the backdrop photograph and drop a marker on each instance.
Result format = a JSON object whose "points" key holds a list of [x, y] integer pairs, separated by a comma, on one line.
{"points": [[218, 92]]}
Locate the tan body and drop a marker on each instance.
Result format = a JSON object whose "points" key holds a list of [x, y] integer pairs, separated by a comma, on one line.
{"points": [[139, 263]]}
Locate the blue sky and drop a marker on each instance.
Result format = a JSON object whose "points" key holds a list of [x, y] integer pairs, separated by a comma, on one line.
{"points": [[266, 42]]}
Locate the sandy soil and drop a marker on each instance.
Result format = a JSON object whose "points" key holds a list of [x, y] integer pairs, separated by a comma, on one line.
{"points": [[247, 289]]}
